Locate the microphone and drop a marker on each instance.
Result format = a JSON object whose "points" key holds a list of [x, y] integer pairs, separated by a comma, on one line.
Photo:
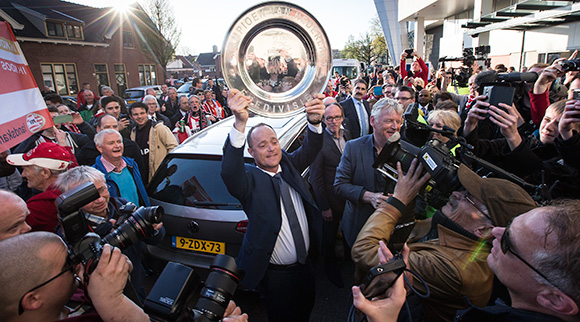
{"points": [[518, 77]]}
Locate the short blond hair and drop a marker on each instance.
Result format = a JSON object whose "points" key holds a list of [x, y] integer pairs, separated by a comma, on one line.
{"points": [[448, 118]]}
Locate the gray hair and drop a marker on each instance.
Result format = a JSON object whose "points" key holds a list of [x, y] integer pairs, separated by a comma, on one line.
{"points": [[106, 88], [150, 98], [78, 175], [194, 97], [171, 88], [100, 137], [53, 172], [387, 104]]}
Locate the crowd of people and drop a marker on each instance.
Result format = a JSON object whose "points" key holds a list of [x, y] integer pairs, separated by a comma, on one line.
{"points": [[117, 148], [502, 245]]}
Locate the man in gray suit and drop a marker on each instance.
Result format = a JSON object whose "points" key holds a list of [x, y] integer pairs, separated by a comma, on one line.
{"points": [[356, 179]]}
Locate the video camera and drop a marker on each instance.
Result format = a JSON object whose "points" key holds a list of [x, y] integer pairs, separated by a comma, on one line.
{"points": [[439, 161], [504, 87], [85, 246], [460, 76], [436, 159]]}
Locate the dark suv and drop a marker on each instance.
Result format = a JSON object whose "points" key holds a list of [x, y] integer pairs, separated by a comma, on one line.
{"points": [[201, 217]]}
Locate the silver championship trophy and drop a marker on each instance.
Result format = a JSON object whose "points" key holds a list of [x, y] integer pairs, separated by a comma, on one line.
{"points": [[278, 54]]}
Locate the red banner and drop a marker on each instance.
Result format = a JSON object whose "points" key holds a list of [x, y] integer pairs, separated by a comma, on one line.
{"points": [[22, 107]]}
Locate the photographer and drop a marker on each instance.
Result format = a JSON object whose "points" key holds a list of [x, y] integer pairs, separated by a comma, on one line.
{"points": [[38, 280], [445, 258], [525, 156], [103, 214], [344, 89], [418, 67]]}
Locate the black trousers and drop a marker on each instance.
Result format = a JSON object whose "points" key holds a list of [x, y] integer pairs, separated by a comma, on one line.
{"points": [[329, 231], [288, 292]]}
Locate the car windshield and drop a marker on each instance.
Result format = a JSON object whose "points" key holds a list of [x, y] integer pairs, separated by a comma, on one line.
{"points": [[133, 94], [348, 71], [192, 181], [184, 88]]}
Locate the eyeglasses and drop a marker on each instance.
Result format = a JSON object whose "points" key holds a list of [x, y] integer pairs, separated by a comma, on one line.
{"points": [[403, 98], [507, 246], [69, 267], [484, 212], [334, 118]]}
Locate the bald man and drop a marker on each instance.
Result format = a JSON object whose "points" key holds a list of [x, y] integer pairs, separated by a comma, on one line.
{"points": [[38, 280], [12, 215]]}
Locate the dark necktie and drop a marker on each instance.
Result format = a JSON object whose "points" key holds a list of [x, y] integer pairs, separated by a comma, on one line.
{"points": [[292, 219]]}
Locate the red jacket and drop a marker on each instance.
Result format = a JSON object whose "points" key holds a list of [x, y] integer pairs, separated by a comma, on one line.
{"points": [[43, 214], [424, 73], [539, 103]]}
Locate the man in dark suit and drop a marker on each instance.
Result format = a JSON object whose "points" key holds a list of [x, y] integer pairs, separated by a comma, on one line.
{"points": [[356, 179], [357, 111], [322, 173], [280, 209]]}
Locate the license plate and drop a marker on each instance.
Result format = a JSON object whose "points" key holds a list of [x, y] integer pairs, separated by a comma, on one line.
{"points": [[198, 245], [131, 101]]}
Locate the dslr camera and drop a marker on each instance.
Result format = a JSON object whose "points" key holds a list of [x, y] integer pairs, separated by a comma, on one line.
{"points": [[85, 246], [173, 297]]}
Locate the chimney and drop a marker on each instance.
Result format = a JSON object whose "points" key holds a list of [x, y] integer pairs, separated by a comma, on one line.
{"points": [[215, 49]]}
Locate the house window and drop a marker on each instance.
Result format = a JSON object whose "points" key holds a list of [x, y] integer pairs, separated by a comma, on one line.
{"points": [[120, 78], [55, 29], [147, 75], [128, 39], [73, 32], [102, 75], [61, 78]]}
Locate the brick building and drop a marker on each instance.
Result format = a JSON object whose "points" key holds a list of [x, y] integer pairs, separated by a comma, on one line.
{"points": [[68, 44]]}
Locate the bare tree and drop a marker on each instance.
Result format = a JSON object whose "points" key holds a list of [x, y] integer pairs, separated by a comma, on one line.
{"points": [[162, 44]]}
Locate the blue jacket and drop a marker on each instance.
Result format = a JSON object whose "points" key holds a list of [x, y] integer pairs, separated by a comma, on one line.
{"points": [[114, 190]]}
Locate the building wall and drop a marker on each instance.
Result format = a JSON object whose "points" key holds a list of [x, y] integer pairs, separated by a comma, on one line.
{"points": [[84, 57]]}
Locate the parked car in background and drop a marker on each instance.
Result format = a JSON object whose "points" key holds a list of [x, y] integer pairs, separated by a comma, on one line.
{"points": [[136, 94], [184, 89], [201, 218], [70, 101]]}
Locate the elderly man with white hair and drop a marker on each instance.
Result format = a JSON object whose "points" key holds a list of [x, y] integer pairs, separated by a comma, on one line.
{"points": [[122, 174], [153, 109]]}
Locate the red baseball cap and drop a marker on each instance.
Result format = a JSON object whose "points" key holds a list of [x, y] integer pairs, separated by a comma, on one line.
{"points": [[46, 155]]}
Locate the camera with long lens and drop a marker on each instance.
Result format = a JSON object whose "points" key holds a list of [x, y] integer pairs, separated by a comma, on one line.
{"points": [[437, 160], [174, 291], [570, 65], [85, 246]]}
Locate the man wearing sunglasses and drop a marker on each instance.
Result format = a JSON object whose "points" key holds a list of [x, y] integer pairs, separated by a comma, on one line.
{"points": [[451, 257], [38, 280], [536, 257]]}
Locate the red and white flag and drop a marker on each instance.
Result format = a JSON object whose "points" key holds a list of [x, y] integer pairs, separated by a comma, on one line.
{"points": [[23, 111]]}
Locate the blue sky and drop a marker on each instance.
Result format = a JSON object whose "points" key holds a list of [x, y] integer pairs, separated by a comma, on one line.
{"points": [[205, 23]]}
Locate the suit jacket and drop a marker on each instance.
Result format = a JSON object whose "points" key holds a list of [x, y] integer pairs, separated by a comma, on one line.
{"points": [[174, 119], [355, 175], [323, 171], [260, 198], [352, 122]]}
